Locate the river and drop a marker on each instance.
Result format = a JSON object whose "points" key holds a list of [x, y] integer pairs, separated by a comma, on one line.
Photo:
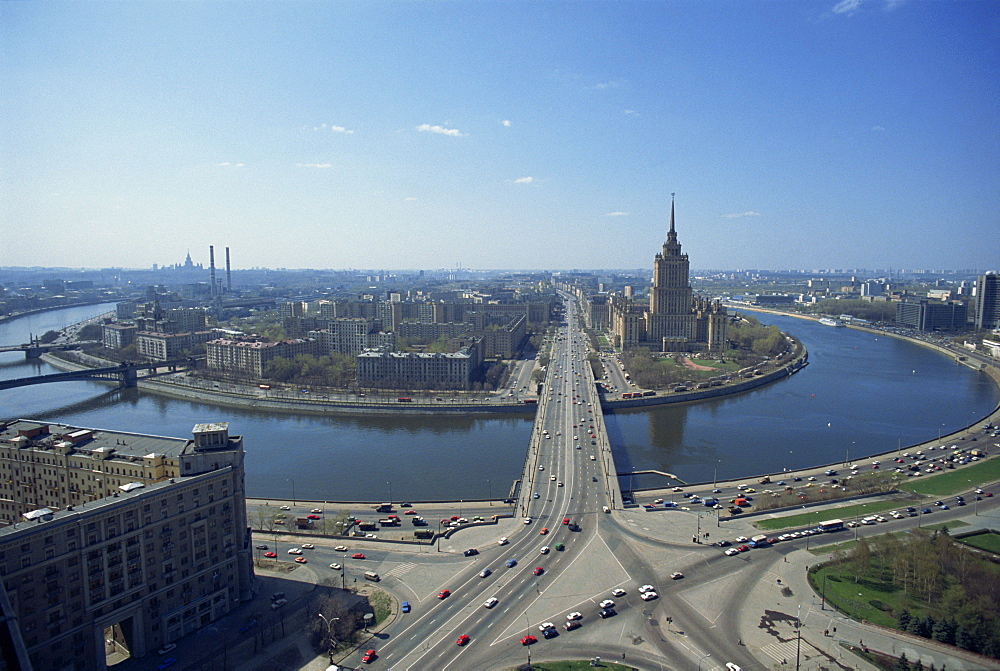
{"points": [[861, 394]]}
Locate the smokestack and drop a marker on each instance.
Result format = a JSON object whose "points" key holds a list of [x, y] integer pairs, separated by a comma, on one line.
{"points": [[229, 278], [211, 261]]}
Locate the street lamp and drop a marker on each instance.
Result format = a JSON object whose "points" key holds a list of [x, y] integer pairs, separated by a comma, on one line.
{"points": [[822, 601], [293, 490], [389, 484], [329, 633], [703, 658]]}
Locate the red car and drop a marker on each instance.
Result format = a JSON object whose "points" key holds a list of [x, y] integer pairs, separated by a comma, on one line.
{"points": [[463, 639], [409, 512], [743, 548], [443, 594], [454, 518], [312, 517], [544, 531], [270, 555], [528, 640], [565, 520], [538, 570], [301, 560], [357, 555], [369, 657]]}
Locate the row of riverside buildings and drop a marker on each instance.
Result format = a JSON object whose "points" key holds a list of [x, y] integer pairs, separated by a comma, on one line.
{"points": [[114, 541], [370, 330]]}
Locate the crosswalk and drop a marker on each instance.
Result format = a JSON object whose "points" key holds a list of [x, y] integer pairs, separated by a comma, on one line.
{"points": [[400, 570], [784, 652]]}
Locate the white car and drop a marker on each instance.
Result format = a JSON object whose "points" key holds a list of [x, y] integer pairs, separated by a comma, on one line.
{"points": [[527, 520], [340, 548], [742, 539], [593, 458], [607, 603], [732, 551], [645, 588], [546, 625], [545, 549], [618, 592], [648, 596], [336, 567], [492, 601], [294, 551], [552, 477], [286, 507], [316, 511], [575, 616], [503, 541], [676, 575], [308, 546]]}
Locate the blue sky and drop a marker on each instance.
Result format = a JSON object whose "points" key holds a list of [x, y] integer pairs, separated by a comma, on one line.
{"points": [[522, 135]]}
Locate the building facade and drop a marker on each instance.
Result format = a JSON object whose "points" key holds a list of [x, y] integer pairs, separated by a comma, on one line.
{"points": [[118, 541], [386, 369], [674, 320], [988, 301], [927, 315], [242, 358]]}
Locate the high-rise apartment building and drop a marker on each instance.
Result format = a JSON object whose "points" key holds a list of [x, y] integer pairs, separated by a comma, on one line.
{"points": [[988, 301]]}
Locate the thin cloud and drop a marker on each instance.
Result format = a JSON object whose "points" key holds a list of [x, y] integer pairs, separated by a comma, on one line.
{"points": [[505, 123], [440, 130], [524, 180], [846, 7], [314, 165], [878, 128], [630, 113], [600, 86], [741, 214], [410, 199], [616, 214], [334, 129], [227, 164]]}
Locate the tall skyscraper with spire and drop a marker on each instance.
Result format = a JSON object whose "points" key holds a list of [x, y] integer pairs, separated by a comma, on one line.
{"points": [[675, 320]]}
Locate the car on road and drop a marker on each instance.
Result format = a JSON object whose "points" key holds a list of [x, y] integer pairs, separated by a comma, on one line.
{"points": [[502, 541], [405, 607], [618, 591], [544, 530], [538, 570], [527, 520], [358, 555], [335, 566], [471, 552], [732, 551], [541, 468], [312, 517], [492, 601], [545, 549], [167, 648], [444, 594], [593, 458], [270, 555], [575, 615], [546, 625], [535, 495], [552, 477], [315, 510], [462, 640], [294, 551], [559, 484], [485, 572], [607, 603], [743, 548], [340, 548], [528, 640], [565, 520], [510, 563], [926, 511], [301, 560], [676, 575], [286, 507], [308, 546], [260, 547], [369, 657], [607, 612]]}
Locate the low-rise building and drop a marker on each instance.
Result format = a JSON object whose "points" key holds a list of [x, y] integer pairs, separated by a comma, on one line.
{"points": [[386, 369]]}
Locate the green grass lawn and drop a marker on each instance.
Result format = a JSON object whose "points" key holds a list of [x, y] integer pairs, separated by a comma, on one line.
{"points": [[988, 540], [962, 479], [861, 600]]}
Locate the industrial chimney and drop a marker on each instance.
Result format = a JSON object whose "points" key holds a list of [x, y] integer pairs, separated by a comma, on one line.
{"points": [[211, 261], [229, 278]]}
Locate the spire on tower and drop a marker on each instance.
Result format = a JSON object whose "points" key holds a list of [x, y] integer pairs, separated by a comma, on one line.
{"points": [[672, 213]]}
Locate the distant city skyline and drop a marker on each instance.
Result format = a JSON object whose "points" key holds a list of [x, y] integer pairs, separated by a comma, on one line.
{"points": [[520, 135]]}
